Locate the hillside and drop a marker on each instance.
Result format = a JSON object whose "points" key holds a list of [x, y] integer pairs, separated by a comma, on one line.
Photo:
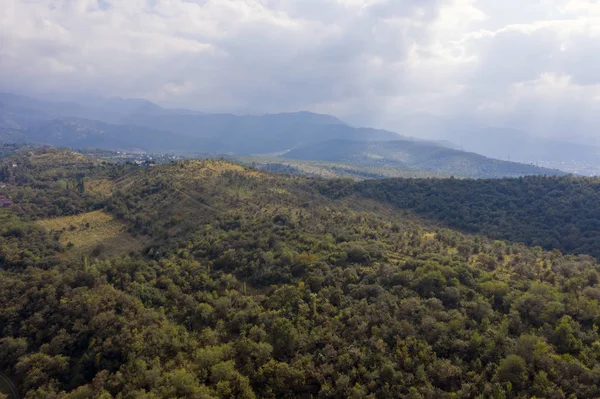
{"points": [[135, 125], [84, 133], [554, 213], [249, 134], [498, 142], [249, 284], [333, 169], [24, 112], [414, 155], [11, 136], [139, 124]]}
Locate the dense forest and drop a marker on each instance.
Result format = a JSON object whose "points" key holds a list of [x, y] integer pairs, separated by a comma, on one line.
{"points": [[239, 283], [552, 212]]}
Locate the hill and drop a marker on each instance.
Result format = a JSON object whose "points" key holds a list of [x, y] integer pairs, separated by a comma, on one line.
{"points": [[334, 169], [84, 133], [414, 155], [552, 212], [136, 125], [139, 124], [497, 142], [12, 136], [24, 112], [251, 284], [248, 134]]}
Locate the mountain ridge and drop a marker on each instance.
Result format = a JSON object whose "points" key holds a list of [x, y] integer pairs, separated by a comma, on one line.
{"points": [[142, 126], [415, 154]]}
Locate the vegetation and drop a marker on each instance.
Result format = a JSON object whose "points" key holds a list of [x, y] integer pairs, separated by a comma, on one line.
{"points": [[7, 150], [95, 233], [555, 213], [10, 135], [333, 148], [416, 156], [256, 285], [334, 169], [130, 125]]}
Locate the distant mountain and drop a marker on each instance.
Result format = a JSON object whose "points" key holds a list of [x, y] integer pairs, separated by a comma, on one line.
{"points": [[414, 154], [84, 133], [265, 134], [139, 124], [32, 111], [124, 106], [80, 133], [8, 135], [18, 117], [495, 142], [252, 134], [516, 145]]}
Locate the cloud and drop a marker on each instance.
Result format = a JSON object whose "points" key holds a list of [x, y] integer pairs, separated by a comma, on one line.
{"points": [[371, 61]]}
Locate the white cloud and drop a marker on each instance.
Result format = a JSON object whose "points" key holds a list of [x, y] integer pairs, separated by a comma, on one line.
{"points": [[369, 60]]}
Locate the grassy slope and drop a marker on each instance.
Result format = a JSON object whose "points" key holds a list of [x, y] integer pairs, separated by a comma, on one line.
{"points": [[93, 231], [552, 212]]}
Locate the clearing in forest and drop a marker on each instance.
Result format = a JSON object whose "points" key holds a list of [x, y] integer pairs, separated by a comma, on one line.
{"points": [[97, 234]]}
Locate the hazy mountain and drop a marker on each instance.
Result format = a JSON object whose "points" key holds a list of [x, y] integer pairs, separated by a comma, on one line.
{"points": [[32, 110], [109, 123], [9, 135], [137, 124], [259, 133], [495, 142], [81, 133], [414, 154], [78, 133], [19, 117], [516, 145]]}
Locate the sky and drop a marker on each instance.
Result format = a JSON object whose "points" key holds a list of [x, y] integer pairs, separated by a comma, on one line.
{"points": [[527, 64]]}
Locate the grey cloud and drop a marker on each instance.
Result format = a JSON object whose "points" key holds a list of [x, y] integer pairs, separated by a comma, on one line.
{"points": [[369, 60]]}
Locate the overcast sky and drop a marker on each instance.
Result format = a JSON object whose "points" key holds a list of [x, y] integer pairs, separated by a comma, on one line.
{"points": [[369, 61]]}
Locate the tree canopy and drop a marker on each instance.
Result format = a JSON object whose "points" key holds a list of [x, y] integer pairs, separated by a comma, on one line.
{"points": [[256, 285]]}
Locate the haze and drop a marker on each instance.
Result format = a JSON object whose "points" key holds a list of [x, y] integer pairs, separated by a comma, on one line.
{"points": [[508, 64]]}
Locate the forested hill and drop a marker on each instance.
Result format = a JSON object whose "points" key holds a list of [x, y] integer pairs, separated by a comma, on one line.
{"points": [[207, 279], [553, 212], [416, 155]]}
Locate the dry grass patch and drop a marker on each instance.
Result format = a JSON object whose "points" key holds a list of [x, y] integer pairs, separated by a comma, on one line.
{"points": [[429, 236], [194, 169], [97, 234]]}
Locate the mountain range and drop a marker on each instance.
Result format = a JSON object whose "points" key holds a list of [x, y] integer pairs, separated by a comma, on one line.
{"points": [[141, 125], [414, 155], [496, 142], [137, 125]]}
